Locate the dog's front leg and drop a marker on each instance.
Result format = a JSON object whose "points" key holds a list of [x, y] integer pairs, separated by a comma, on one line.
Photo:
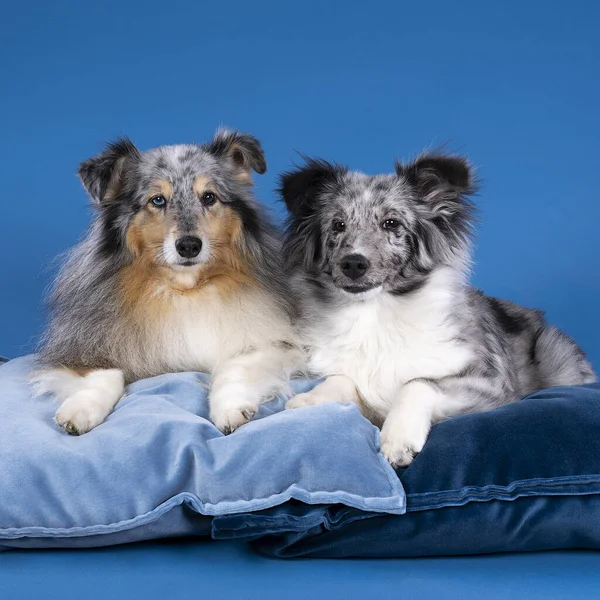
{"points": [[407, 425], [422, 402], [337, 388], [241, 383], [86, 399]]}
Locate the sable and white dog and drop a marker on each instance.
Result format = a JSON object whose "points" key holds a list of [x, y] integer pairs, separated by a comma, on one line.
{"points": [[180, 271], [380, 265]]}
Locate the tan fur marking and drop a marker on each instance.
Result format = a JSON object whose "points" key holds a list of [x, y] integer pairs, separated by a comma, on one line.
{"points": [[142, 302], [228, 265], [146, 233], [161, 187], [242, 173], [81, 371], [245, 176], [148, 288], [202, 184]]}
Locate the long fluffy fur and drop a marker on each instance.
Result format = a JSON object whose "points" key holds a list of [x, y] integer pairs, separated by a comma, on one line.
{"points": [[125, 304], [408, 340]]}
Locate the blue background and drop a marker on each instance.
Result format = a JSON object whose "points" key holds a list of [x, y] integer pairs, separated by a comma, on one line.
{"points": [[224, 570], [513, 85]]}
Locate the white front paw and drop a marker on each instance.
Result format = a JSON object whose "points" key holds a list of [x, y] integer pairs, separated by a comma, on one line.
{"points": [[312, 398], [231, 408], [400, 444], [81, 412], [228, 419]]}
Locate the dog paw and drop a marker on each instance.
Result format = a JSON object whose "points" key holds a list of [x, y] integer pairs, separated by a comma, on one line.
{"points": [[306, 399], [80, 413], [298, 401], [400, 447], [398, 454], [227, 420]]}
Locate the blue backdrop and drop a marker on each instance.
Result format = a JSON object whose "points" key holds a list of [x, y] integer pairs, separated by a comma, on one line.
{"points": [[514, 85]]}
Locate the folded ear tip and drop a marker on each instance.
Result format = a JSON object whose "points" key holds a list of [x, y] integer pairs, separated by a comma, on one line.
{"points": [[261, 166], [243, 148], [97, 172]]}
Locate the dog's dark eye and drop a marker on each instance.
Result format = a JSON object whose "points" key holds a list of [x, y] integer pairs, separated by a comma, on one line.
{"points": [[158, 201], [339, 226], [391, 224], [208, 198]]}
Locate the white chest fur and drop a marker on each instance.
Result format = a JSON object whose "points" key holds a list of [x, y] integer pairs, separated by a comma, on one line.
{"points": [[383, 342], [197, 331]]}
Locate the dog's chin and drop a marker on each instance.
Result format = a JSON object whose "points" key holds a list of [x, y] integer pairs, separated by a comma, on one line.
{"points": [[355, 292], [184, 265]]}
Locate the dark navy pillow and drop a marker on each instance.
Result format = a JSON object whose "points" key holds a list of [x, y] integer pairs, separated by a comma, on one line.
{"points": [[523, 477]]}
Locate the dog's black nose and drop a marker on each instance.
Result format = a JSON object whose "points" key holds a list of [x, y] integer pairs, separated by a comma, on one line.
{"points": [[354, 266], [188, 246]]}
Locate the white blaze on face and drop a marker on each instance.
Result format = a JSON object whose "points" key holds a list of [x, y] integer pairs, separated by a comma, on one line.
{"points": [[172, 258], [169, 252]]}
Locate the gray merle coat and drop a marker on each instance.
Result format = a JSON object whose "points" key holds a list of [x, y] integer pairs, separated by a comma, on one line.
{"points": [[380, 265]]}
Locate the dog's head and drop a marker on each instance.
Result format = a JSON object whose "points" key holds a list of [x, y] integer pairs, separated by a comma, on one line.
{"points": [[183, 207], [356, 235]]}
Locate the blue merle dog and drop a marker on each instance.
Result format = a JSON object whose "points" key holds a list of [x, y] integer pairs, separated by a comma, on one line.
{"points": [[380, 264]]}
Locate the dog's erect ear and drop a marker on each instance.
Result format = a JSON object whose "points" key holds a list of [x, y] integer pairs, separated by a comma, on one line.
{"points": [[440, 179], [300, 190], [243, 149], [101, 175], [300, 187]]}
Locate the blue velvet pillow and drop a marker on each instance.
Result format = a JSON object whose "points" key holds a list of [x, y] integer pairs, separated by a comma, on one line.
{"points": [[158, 467], [302, 483], [520, 478]]}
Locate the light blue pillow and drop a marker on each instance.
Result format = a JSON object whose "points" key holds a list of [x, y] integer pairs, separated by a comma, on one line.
{"points": [[157, 465]]}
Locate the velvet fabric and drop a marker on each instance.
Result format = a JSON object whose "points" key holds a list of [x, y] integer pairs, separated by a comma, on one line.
{"points": [[523, 477], [309, 482], [158, 467]]}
